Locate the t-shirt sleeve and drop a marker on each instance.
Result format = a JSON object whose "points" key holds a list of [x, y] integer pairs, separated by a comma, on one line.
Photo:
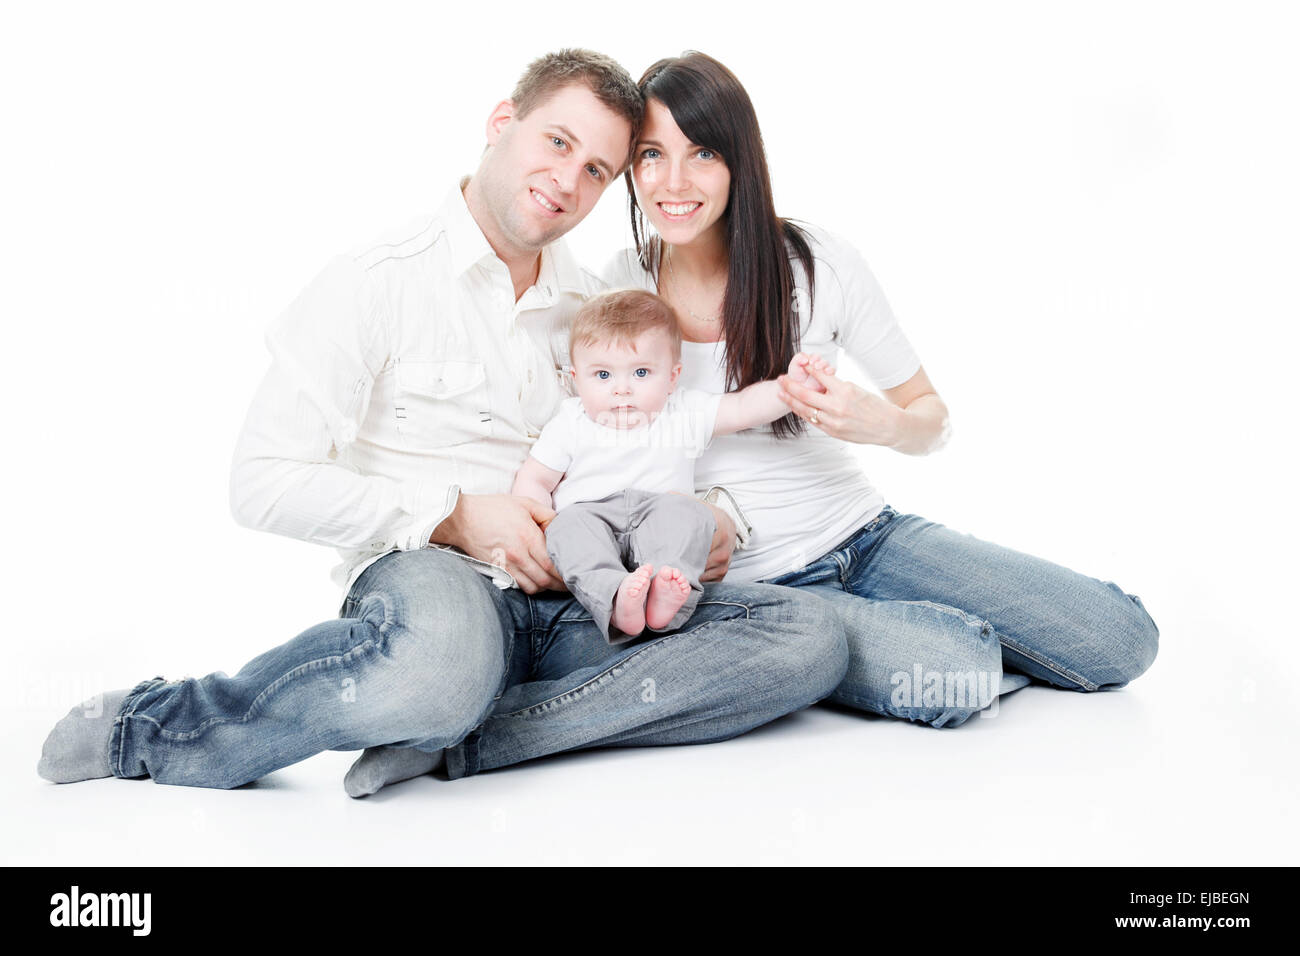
{"points": [[554, 446], [699, 411], [864, 324], [623, 271]]}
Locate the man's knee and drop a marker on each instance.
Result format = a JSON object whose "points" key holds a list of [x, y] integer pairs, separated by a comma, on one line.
{"points": [[442, 632], [814, 642]]}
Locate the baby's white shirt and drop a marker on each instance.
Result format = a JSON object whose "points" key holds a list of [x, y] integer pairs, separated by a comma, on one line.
{"points": [[598, 460]]}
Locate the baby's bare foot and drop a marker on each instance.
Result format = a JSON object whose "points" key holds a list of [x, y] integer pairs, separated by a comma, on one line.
{"points": [[668, 592], [629, 601]]}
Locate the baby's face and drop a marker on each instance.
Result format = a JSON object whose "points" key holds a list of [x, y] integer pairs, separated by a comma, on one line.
{"points": [[623, 387]]}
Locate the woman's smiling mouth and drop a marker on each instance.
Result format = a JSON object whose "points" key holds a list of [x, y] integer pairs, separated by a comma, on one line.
{"points": [[679, 210]]}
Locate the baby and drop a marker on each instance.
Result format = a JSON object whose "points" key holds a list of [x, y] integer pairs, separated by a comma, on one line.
{"points": [[618, 465]]}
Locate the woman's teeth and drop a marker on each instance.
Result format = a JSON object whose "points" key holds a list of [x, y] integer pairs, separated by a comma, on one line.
{"points": [[679, 209]]}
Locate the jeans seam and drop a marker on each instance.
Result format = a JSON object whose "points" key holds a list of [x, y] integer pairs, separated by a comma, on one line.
{"points": [[603, 676], [1045, 662], [275, 686]]}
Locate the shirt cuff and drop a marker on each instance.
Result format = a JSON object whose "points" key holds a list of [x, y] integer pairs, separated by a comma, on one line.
{"points": [[416, 536], [721, 498]]}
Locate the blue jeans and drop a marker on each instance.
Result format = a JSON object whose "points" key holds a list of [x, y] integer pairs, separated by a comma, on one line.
{"points": [[940, 623], [427, 653]]}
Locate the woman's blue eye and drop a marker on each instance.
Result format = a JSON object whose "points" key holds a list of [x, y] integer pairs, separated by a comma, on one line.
{"points": [[650, 154], [602, 375], [705, 154]]}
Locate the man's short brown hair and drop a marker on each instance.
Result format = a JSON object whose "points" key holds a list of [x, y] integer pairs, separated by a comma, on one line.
{"points": [[620, 318], [610, 83]]}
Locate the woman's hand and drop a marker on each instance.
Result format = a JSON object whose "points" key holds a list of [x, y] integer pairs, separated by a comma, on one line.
{"points": [[839, 408], [911, 418]]}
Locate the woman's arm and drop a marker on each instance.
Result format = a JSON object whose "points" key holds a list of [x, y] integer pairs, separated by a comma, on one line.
{"points": [[911, 417]]}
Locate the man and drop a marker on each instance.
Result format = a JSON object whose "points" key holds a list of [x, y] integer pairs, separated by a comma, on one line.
{"points": [[407, 385]]}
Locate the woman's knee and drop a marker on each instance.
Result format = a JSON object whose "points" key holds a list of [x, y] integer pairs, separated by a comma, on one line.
{"points": [[1126, 640], [920, 661]]}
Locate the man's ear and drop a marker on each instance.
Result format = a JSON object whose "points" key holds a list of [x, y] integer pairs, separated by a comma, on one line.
{"points": [[499, 119]]}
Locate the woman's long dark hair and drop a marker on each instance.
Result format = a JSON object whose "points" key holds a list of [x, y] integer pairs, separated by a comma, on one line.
{"points": [[760, 317]]}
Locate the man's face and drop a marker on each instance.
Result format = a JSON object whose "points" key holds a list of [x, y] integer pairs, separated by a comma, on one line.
{"points": [[624, 387], [543, 173]]}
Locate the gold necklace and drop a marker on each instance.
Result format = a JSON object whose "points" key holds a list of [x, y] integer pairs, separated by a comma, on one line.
{"points": [[673, 273]]}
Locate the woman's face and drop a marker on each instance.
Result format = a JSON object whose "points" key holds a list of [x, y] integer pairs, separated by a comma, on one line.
{"points": [[681, 187]]}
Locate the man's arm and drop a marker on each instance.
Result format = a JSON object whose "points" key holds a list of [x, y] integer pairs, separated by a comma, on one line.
{"points": [[286, 476]]}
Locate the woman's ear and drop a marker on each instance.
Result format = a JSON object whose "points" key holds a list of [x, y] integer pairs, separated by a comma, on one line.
{"points": [[498, 120]]}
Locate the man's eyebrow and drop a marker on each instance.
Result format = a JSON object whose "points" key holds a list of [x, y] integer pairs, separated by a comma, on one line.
{"points": [[560, 127]]}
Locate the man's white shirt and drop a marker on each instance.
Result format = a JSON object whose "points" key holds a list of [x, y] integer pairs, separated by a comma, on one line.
{"points": [[403, 375]]}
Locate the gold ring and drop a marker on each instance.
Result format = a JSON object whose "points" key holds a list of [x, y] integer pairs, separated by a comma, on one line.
{"points": [[813, 417]]}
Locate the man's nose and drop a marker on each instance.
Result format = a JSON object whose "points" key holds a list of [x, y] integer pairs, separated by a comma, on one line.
{"points": [[566, 177]]}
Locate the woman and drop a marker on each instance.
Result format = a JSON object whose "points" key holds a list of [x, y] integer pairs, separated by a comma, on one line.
{"points": [[940, 623]]}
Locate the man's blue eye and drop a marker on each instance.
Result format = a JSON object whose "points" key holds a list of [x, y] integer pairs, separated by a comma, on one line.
{"points": [[642, 372], [602, 375]]}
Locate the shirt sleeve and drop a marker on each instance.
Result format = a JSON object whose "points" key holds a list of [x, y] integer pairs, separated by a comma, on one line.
{"points": [[864, 324], [288, 474], [700, 413], [554, 446], [623, 271]]}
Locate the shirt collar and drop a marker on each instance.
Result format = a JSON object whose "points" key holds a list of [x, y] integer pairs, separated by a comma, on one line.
{"points": [[468, 244], [559, 271]]}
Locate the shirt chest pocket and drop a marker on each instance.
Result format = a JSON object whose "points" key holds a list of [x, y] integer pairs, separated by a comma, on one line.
{"points": [[441, 403]]}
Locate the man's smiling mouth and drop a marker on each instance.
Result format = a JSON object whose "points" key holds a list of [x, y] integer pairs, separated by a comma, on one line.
{"points": [[544, 202]]}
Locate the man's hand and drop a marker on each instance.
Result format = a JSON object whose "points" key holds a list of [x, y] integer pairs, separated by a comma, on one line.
{"points": [[505, 530], [724, 542]]}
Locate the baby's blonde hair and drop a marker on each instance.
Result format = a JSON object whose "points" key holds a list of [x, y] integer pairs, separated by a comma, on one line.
{"points": [[619, 318]]}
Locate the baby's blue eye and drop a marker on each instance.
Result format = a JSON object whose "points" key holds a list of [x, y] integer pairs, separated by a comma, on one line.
{"points": [[641, 372], [602, 375]]}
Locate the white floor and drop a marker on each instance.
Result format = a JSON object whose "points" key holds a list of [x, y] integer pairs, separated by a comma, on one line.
{"points": [[1177, 769]]}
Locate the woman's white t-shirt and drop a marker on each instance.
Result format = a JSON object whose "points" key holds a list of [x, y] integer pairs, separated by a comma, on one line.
{"points": [[806, 494]]}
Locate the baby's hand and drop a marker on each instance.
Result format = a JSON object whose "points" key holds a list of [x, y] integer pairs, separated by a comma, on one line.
{"points": [[801, 367]]}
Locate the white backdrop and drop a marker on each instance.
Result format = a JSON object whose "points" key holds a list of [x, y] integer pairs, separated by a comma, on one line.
{"points": [[1084, 215]]}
